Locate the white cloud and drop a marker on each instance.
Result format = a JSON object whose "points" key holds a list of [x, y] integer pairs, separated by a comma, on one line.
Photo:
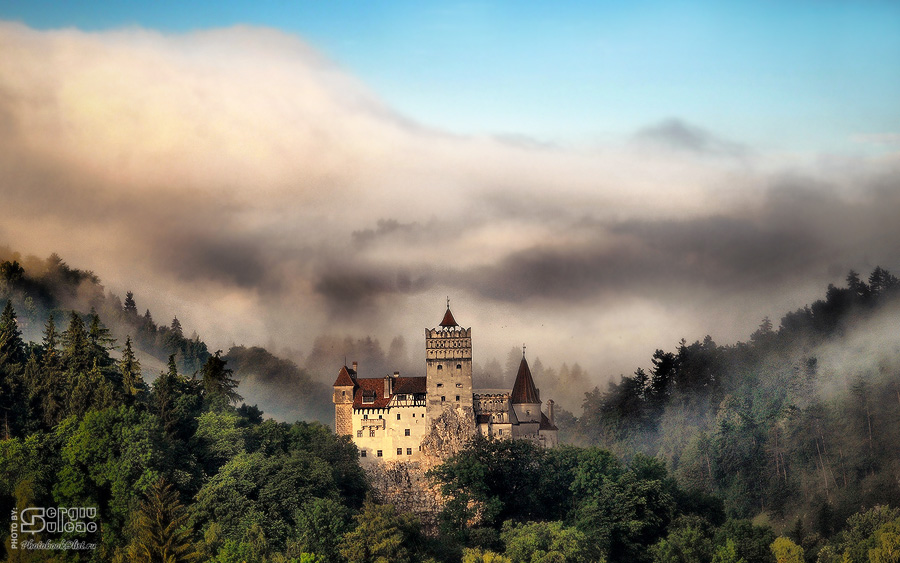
{"points": [[221, 175]]}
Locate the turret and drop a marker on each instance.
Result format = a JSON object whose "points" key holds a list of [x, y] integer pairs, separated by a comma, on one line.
{"points": [[344, 389], [525, 399]]}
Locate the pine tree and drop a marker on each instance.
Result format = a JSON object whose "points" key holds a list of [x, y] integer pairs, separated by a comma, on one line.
{"points": [[44, 378], [130, 307], [12, 348], [101, 342], [164, 395], [161, 531], [130, 368], [176, 328], [217, 380], [12, 359], [76, 347]]}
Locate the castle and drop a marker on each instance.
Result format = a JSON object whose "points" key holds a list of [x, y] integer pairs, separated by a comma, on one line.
{"points": [[389, 417]]}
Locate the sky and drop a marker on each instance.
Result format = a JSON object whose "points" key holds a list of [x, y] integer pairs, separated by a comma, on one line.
{"points": [[597, 179]]}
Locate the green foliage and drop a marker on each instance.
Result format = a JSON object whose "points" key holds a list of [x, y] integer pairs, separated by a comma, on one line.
{"points": [[217, 379], [130, 370], [12, 391], [628, 513], [859, 536], [255, 489], [887, 544], [219, 438], [727, 553], [786, 551], [493, 480], [687, 542], [545, 542], [476, 555], [382, 535], [320, 525], [108, 459], [160, 532], [750, 541]]}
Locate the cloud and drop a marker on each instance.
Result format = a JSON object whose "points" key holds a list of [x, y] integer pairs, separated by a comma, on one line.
{"points": [[241, 180], [877, 138], [678, 135]]}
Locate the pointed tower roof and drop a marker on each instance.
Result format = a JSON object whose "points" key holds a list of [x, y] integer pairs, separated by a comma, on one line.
{"points": [[344, 379], [448, 320], [523, 390]]}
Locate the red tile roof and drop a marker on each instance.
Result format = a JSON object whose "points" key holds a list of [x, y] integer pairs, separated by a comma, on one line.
{"points": [[523, 390], [345, 378], [448, 319], [373, 387]]}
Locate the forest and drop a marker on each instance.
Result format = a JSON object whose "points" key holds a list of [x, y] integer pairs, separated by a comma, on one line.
{"points": [[779, 449]]}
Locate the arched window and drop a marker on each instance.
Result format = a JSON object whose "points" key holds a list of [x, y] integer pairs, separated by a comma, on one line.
{"points": [[440, 367], [458, 366]]}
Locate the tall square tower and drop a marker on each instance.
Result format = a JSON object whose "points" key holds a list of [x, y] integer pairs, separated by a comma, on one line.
{"points": [[448, 366]]}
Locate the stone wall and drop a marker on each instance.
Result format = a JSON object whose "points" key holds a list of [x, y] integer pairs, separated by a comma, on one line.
{"points": [[404, 483]]}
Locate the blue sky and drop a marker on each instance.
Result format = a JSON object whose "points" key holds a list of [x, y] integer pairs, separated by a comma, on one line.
{"points": [[806, 76]]}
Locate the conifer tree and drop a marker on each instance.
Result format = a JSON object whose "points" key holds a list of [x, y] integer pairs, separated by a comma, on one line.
{"points": [[130, 368], [12, 349], [217, 380], [12, 357], [161, 531], [176, 328], [164, 394], [101, 342], [52, 387], [76, 348], [130, 307]]}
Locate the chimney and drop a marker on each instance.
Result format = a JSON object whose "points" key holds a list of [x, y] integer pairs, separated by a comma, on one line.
{"points": [[550, 410], [388, 383], [396, 374], [356, 367]]}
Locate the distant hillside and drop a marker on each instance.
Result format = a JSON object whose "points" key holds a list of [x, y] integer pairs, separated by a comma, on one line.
{"points": [[800, 422], [43, 288]]}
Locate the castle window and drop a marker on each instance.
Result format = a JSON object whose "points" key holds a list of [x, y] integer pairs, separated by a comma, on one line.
{"points": [[378, 453], [359, 433], [365, 417], [443, 398], [399, 451], [457, 398], [362, 453], [408, 451], [500, 432], [459, 384], [372, 433], [458, 366], [379, 417], [440, 384], [440, 367], [343, 393], [398, 416], [406, 432]]}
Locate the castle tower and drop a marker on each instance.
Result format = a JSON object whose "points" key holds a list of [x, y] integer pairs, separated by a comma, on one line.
{"points": [[344, 388], [525, 399], [448, 366]]}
